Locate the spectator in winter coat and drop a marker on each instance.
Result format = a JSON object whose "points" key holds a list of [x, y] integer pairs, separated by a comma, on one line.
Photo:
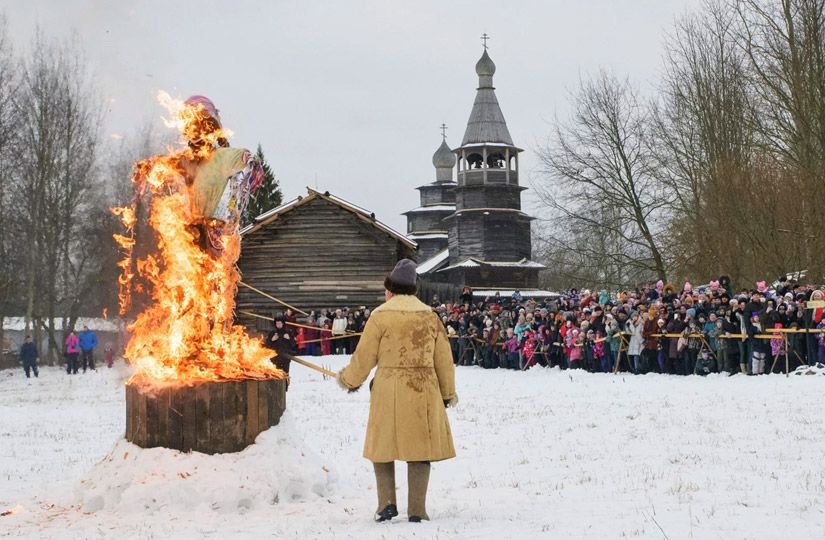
{"points": [[414, 383], [281, 340], [634, 349], [29, 357], [109, 355], [511, 347], [72, 350], [339, 328], [675, 326], [760, 347], [326, 333], [651, 345], [311, 336], [522, 327], [574, 343], [88, 343]]}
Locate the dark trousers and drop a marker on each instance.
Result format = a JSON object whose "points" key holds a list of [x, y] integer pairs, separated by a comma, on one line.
{"points": [[812, 348], [88, 359], [512, 360], [71, 363], [688, 361], [649, 363], [283, 364], [30, 365]]}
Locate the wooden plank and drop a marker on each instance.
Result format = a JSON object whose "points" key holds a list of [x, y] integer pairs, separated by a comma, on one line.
{"points": [[163, 403], [187, 410], [130, 409], [252, 427], [174, 430], [152, 437], [203, 418], [263, 406], [140, 430], [237, 427]]}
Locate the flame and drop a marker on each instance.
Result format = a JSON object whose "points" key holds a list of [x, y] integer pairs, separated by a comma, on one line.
{"points": [[186, 334]]}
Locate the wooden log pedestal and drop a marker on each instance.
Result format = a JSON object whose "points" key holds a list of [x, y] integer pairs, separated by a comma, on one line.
{"points": [[209, 417]]}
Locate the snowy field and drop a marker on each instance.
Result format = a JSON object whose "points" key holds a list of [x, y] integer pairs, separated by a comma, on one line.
{"points": [[541, 454]]}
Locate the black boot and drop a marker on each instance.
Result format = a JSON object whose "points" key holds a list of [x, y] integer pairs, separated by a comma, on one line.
{"points": [[389, 512], [385, 481]]}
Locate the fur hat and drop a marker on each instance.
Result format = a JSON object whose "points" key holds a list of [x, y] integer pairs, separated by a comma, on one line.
{"points": [[403, 278]]}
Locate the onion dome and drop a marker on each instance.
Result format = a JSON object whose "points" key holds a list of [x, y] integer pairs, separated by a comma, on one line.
{"points": [[485, 66], [444, 157]]}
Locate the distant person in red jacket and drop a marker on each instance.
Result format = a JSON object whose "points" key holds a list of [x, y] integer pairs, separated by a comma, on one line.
{"points": [[326, 333], [109, 355]]}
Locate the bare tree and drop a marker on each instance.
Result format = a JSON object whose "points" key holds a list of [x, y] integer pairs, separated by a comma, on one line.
{"points": [[58, 122], [784, 41], [704, 133], [600, 185], [8, 136]]}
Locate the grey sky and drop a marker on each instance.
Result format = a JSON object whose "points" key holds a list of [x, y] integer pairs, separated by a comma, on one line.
{"points": [[353, 92]]}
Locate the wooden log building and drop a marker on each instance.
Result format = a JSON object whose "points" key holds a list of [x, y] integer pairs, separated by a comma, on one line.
{"points": [[317, 252]]}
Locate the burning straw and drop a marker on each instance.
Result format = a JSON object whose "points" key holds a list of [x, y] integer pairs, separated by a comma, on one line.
{"points": [[192, 198]]}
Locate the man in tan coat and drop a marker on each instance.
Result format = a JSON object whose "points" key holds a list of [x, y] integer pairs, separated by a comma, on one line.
{"points": [[414, 383]]}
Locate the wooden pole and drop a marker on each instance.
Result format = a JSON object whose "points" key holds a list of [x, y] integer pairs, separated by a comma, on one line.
{"points": [[265, 295], [310, 365]]}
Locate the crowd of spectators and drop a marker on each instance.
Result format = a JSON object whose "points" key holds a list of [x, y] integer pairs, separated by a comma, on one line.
{"points": [[655, 328]]}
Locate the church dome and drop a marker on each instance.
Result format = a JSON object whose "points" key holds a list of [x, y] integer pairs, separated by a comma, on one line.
{"points": [[485, 66], [444, 157]]}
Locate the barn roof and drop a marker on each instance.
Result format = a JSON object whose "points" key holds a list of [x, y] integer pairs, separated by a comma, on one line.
{"points": [[361, 213]]}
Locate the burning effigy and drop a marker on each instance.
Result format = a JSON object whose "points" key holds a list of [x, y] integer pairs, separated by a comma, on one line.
{"points": [[200, 381]]}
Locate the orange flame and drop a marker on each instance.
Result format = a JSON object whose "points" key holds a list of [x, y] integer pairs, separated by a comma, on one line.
{"points": [[186, 334]]}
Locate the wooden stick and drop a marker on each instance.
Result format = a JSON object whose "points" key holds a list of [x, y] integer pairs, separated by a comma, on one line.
{"points": [[338, 336], [299, 325], [255, 315], [345, 336], [310, 365], [265, 295]]}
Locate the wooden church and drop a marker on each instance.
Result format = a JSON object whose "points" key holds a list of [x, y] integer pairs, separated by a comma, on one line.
{"points": [[471, 229]]}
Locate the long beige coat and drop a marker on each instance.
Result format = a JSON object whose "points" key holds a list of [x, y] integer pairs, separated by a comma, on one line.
{"points": [[415, 374]]}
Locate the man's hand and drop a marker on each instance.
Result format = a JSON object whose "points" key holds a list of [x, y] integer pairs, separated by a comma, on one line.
{"points": [[274, 337], [452, 402], [343, 385]]}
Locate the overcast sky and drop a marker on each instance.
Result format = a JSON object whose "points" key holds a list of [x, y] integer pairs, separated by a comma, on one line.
{"points": [[350, 95]]}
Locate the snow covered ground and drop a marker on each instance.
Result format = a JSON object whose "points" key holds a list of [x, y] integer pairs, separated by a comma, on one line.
{"points": [[541, 454]]}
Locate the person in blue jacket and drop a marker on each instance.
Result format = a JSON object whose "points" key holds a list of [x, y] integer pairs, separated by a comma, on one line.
{"points": [[88, 342], [29, 357]]}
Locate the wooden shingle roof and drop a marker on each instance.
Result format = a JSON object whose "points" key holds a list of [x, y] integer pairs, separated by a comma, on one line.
{"points": [[361, 213]]}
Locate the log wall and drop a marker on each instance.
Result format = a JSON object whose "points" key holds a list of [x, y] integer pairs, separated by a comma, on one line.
{"points": [[315, 256]]}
